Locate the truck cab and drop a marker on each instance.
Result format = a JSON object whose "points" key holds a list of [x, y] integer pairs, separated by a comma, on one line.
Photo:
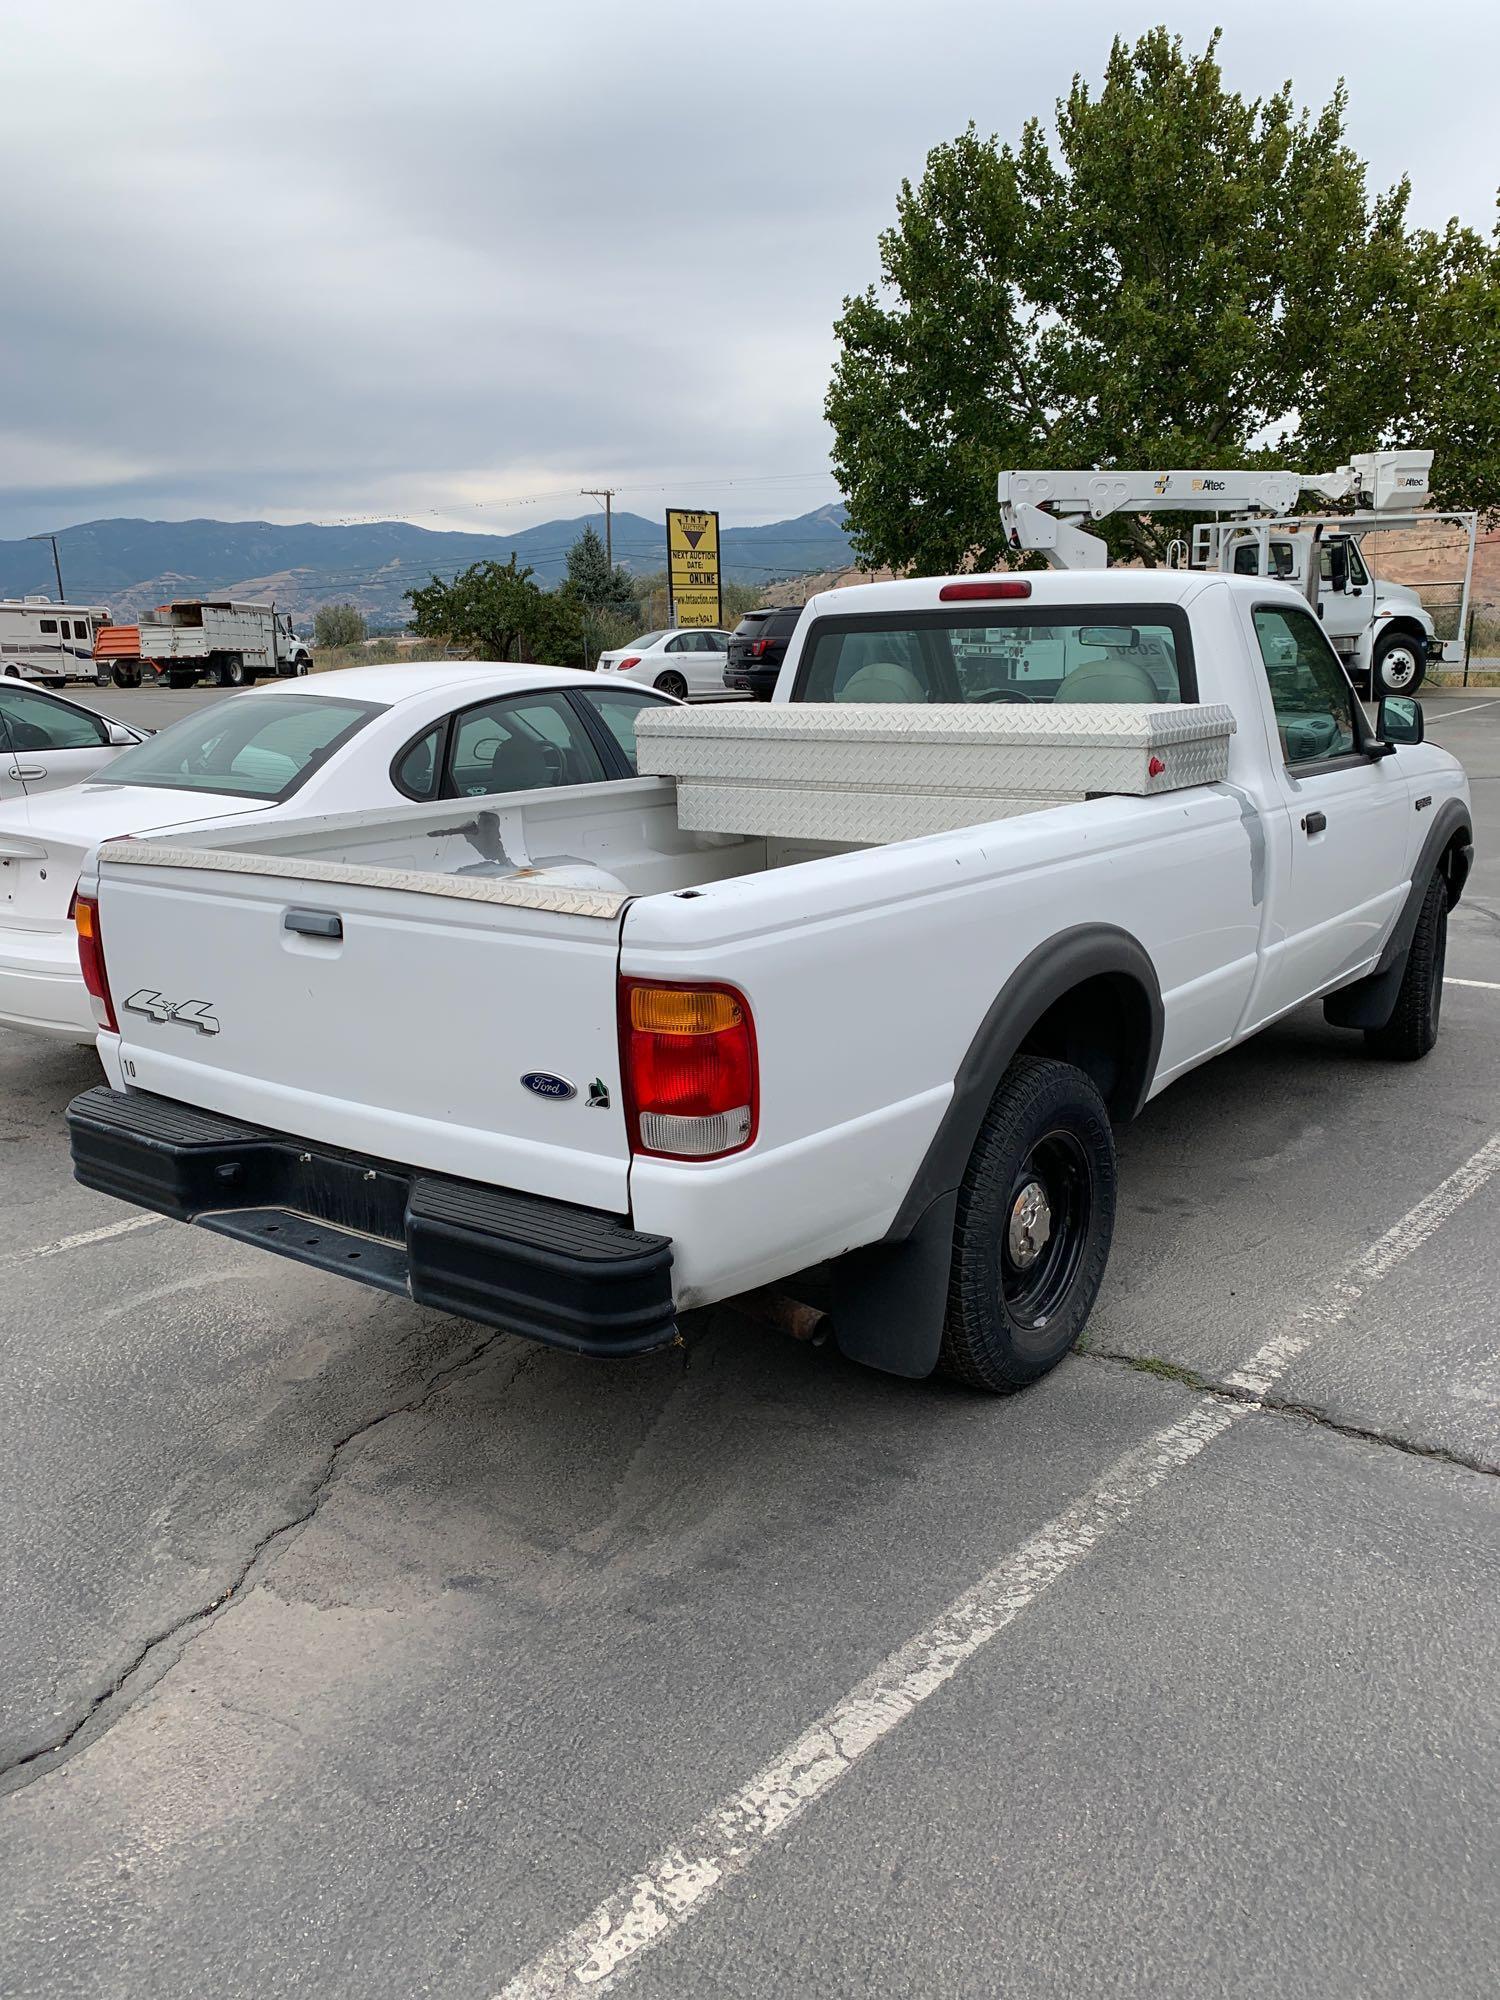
{"points": [[1379, 629]]}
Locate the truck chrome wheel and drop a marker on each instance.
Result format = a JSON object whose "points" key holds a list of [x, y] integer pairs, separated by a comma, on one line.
{"points": [[1047, 1226], [1398, 668]]}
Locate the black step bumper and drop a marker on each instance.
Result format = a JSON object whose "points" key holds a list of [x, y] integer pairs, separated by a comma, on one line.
{"points": [[571, 1277]]}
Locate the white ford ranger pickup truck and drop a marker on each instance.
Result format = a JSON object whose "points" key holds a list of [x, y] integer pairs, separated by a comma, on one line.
{"points": [[845, 997]]}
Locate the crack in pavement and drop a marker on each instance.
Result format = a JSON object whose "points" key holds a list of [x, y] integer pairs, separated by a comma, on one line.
{"points": [[162, 1651], [1288, 1406]]}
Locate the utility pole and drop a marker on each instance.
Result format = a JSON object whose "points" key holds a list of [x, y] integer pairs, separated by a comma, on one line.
{"points": [[606, 494], [61, 597]]}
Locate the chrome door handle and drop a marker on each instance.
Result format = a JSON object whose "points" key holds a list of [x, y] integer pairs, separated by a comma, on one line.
{"points": [[28, 770]]}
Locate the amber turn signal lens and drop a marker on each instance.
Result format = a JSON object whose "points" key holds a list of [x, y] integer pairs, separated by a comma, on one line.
{"points": [[683, 1010]]}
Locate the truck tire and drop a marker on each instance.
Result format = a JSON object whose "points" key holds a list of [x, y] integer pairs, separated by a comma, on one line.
{"points": [[180, 677], [1399, 665], [228, 670], [102, 675], [128, 674], [1036, 1212], [1412, 1030]]}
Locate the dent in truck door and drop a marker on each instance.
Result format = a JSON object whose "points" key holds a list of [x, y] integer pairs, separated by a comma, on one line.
{"points": [[1347, 815]]}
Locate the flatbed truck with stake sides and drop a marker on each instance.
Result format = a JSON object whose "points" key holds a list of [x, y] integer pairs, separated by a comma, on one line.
{"points": [[230, 644]]}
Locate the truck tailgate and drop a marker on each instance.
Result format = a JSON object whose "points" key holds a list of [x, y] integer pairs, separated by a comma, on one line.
{"points": [[406, 1036]]}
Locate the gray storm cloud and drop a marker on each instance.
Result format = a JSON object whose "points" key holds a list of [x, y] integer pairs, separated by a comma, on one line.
{"points": [[329, 260]]}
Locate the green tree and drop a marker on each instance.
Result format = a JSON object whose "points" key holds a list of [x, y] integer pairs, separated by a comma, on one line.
{"points": [[496, 611], [489, 606], [1188, 279], [338, 625], [592, 583]]}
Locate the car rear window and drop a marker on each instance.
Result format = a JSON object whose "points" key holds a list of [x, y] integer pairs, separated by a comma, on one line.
{"points": [[1018, 657], [769, 624], [254, 746]]}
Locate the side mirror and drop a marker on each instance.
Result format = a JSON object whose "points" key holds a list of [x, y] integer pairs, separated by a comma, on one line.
{"points": [[1399, 719], [1338, 565], [121, 737]]}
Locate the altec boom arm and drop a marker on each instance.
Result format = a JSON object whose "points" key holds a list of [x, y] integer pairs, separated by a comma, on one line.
{"points": [[1038, 508]]}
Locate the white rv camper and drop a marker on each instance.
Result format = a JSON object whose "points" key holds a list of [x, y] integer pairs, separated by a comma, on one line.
{"points": [[47, 642]]}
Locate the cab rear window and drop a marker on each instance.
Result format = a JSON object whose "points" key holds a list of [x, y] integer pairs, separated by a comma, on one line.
{"points": [[1109, 654]]}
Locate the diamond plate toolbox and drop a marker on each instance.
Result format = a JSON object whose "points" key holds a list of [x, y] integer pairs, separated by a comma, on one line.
{"points": [[892, 771]]}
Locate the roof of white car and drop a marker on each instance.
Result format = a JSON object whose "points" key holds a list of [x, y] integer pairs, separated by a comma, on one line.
{"points": [[408, 678], [1047, 586]]}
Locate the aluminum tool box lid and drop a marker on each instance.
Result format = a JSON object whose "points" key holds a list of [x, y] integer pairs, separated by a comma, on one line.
{"points": [[891, 771]]}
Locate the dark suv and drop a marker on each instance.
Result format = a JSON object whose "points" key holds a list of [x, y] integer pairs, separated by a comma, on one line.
{"points": [[757, 647]]}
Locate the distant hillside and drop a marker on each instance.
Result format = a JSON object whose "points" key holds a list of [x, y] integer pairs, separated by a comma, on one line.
{"points": [[132, 565]]}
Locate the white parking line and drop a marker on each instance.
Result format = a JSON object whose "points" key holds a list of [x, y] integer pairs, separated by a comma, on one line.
{"points": [[84, 1236], [610, 1942], [1469, 708], [1487, 985]]}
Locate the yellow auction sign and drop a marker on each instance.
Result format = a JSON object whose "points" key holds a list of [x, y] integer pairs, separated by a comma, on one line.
{"points": [[693, 566]]}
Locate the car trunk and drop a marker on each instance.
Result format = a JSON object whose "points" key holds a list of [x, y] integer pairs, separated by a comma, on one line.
{"points": [[43, 844]]}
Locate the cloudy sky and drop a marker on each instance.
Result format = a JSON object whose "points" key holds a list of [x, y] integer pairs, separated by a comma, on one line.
{"points": [[347, 259]]}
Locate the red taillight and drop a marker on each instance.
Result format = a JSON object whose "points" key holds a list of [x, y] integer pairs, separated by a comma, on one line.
{"points": [[91, 961], [991, 587], [759, 648], [630, 660], [692, 1089]]}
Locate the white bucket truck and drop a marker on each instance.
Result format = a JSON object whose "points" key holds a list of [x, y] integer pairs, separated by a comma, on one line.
{"points": [[1384, 634]]}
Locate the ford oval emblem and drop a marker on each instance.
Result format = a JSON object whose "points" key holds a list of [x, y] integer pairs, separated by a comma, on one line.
{"points": [[542, 1083]]}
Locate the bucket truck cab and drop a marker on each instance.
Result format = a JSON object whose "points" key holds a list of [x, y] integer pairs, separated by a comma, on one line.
{"points": [[1381, 630]]}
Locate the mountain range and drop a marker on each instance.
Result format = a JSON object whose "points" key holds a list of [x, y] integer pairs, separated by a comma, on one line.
{"points": [[132, 565]]}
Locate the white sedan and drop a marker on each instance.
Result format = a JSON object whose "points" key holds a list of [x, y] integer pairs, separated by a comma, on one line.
{"points": [[47, 741], [339, 742], [679, 663]]}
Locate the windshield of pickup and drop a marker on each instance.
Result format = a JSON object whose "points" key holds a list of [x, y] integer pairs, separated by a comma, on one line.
{"points": [[1112, 653], [253, 746]]}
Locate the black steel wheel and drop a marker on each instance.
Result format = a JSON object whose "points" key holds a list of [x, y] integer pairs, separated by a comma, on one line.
{"points": [[1412, 1030], [1035, 1218]]}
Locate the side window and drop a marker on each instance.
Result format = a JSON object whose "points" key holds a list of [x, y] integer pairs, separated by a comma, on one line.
{"points": [[415, 770], [519, 745], [619, 711], [49, 625], [1247, 560], [38, 724], [683, 643], [1314, 703]]}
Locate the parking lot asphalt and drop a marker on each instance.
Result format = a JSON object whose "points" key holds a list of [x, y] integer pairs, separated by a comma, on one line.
{"points": [[354, 1650]]}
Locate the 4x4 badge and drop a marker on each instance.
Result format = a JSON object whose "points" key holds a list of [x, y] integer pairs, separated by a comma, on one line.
{"points": [[186, 1013]]}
